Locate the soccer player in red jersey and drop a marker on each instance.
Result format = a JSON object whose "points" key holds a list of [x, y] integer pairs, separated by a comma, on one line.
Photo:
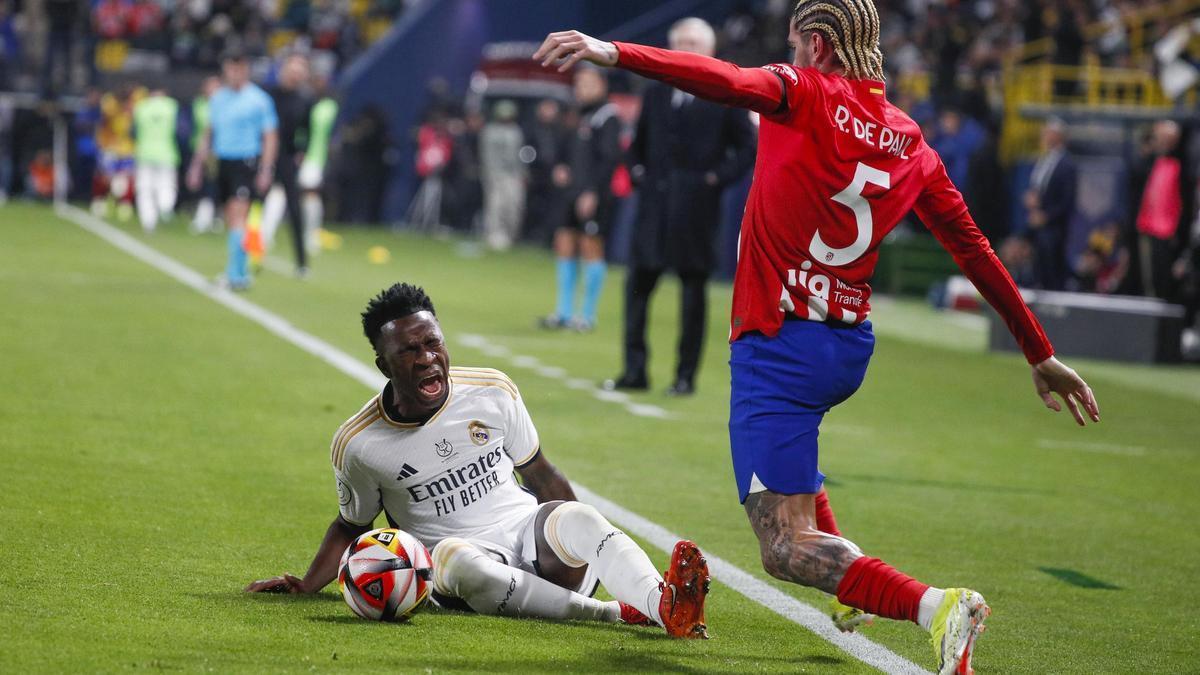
{"points": [[838, 167]]}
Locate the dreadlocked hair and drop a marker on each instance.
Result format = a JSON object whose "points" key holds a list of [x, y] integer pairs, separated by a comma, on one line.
{"points": [[851, 26]]}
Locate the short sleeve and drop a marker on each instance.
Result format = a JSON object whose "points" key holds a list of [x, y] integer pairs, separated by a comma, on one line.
{"points": [[270, 117], [359, 500], [520, 436], [800, 88]]}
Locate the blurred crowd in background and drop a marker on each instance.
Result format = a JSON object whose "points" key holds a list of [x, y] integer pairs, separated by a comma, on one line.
{"points": [[491, 166]]}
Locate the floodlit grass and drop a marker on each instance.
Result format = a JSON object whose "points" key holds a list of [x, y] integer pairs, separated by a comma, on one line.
{"points": [[162, 452]]}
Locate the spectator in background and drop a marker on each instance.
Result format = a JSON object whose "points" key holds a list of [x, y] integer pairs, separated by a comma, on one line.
{"points": [[957, 138], [146, 21], [110, 19], [1017, 255], [1186, 272], [547, 173], [10, 45], [1161, 209], [593, 153], [685, 151], [312, 170], [39, 179], [87, 152], [503, 176], [464, 189], [243, 135], [7, 149], [1050, 201], [205, 208], [363, 170], [155, 119], [435, 149], [293, 105], [62, 17], [1103, 261]]}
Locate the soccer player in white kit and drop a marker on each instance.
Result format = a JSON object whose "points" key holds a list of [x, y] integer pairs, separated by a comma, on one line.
{"points": [[438, 452]]}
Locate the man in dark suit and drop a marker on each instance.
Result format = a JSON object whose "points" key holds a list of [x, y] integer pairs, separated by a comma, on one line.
{"points": [[1051, 204], [685, 152]]}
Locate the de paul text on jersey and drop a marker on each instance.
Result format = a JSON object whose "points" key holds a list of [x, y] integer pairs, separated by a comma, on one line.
{"points": [[872, 133]]}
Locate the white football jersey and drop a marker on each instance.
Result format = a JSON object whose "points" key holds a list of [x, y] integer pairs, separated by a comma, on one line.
{"points": [[452, 475]]}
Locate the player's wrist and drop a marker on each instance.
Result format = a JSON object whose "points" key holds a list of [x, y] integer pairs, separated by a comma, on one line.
{"points": [[1046, 364]]}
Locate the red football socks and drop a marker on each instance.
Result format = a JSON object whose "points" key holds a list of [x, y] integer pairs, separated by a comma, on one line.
{"points": [[878, 588], [825, 520]]}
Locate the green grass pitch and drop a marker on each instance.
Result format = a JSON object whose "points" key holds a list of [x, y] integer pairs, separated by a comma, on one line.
{"points": [[160, 452]]}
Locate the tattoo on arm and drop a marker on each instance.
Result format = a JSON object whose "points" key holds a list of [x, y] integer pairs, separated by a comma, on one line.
{"points": [[791, 546]]}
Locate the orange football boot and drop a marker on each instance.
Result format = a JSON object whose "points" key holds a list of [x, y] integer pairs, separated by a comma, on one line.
{"points": [[685, 585]]}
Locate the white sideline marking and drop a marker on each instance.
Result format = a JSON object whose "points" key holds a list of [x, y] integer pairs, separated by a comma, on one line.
{"points": [[757, 590], [738, 580], [187, 276], [489, 348]]}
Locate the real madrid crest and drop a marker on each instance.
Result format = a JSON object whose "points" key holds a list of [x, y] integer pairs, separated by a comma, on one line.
{"points": [[478, 432]]}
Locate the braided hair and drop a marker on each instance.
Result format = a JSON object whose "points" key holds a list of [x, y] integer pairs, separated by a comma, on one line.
{"points": [[851, 26]]}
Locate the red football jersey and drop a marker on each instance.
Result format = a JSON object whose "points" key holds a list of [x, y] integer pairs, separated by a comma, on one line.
{"points": [[838, 168]]}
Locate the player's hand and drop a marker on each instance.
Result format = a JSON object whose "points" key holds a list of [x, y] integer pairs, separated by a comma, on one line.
{"points": [[262, 182], [1054, 377], [1031, 200], [585, 206], [286, 583], [561, 175], [194, 176], [571, 47]]}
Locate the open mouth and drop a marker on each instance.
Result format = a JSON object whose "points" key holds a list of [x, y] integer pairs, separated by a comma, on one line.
{"points": [[431, 387]]}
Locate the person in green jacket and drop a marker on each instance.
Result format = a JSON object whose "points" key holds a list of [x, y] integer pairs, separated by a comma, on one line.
{"points": [[206, 207], [156, 157], [312, 170]]}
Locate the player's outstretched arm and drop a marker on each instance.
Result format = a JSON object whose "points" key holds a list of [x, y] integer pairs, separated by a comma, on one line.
{"points": [[1053, 376], [941, 207], [712, 79], [324, 567], [545, 481]]}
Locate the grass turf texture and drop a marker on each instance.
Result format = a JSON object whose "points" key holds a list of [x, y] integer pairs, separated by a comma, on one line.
{"points": [[163, 452]]}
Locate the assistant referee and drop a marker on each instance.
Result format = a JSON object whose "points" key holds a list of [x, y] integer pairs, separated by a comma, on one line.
{"points": [[243, 134]]}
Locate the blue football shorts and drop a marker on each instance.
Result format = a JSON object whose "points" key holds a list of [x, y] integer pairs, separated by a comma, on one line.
{"points": [[781, 388]]}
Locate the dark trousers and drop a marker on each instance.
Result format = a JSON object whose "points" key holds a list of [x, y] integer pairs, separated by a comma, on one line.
{"points": [[1051, 258], [639, 286], [291, 190]]}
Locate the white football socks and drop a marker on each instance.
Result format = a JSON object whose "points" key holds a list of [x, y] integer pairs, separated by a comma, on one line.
{"points": [[580, 536], [313, 211], [464, 571], [930, 601]]}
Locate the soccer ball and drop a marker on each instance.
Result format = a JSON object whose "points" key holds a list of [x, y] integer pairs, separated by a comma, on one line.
{"points": [[385, 575]]}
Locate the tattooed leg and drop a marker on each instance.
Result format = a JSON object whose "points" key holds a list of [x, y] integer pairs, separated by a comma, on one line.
{"points": [[792, 547]]}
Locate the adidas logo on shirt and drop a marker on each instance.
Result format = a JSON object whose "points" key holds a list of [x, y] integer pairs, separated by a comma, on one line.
{"points": [[406, 471]]}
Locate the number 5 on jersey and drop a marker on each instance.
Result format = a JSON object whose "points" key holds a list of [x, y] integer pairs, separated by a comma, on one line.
{"points": [[852, 198]]}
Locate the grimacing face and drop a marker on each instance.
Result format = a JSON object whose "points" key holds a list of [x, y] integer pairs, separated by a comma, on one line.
{"points": [[411, 352]]}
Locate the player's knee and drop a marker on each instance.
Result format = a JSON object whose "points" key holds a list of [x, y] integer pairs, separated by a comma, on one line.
{"points": [[451, 556], [569, 523]]}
